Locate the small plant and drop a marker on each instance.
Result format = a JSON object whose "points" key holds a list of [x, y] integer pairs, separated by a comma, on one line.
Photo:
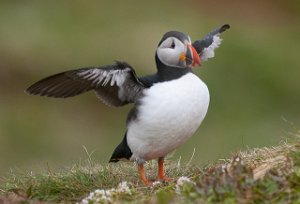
{"points": [[265, 175]]}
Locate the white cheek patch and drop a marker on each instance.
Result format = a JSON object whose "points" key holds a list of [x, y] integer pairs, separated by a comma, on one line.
{"points": [[169, 56]]}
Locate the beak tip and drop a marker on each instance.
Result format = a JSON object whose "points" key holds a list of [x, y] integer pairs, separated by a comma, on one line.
{"points": [[196, 58]]}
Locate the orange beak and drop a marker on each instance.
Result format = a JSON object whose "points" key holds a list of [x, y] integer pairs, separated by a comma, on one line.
{"points": [[195, 57]]}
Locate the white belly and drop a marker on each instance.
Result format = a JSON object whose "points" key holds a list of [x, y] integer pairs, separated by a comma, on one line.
{"points": [[168, 115]]}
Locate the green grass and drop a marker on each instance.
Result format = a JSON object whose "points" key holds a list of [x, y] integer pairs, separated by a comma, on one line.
{"points": [[261, 175]]}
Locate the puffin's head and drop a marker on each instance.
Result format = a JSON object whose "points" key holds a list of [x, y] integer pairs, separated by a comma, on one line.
{"points": [[175, 50]]}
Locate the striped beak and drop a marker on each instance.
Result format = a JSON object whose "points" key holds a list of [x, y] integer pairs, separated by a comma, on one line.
{"points": [[191, 57]]}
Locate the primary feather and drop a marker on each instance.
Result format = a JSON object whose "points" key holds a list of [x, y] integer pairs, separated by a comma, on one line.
{"points": [[115, 85]]}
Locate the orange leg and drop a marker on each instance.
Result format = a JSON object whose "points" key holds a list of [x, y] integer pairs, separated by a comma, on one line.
{"points": [[142, 175], [161, 170]]}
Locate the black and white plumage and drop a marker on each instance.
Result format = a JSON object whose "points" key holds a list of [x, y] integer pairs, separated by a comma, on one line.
{"points": [[206, 47], [168, 107], [115, 84]]}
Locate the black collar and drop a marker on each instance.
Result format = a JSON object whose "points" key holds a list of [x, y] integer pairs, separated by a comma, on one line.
{"points": [[167, 73], [164, 73]]}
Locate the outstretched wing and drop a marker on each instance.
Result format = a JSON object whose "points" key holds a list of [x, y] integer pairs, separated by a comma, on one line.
{"points": [[115, 84], [206, 47]]}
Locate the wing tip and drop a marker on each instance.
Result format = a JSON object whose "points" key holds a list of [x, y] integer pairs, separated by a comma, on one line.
{"points": [[224, 28], [29, 91], [33, 93], [32, 90]]}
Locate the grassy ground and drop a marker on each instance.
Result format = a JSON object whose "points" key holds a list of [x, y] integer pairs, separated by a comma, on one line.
{"points": [[261, 175], [253, 80]]}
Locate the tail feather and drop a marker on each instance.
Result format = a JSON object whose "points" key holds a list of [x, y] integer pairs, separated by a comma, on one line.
{"points": [[122, 151]]}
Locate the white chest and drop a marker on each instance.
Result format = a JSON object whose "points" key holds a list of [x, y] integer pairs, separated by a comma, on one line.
{"points": [[169, 114]]}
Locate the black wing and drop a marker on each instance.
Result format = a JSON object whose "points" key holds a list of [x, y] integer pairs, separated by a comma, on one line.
{"points": [[115, 85], [205, 47]]}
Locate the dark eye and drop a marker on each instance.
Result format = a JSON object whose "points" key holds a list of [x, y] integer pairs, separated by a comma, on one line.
{"points": [[172, 45]]}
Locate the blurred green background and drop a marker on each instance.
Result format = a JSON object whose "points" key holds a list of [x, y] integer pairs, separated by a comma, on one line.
{"points": [[254, 80]]}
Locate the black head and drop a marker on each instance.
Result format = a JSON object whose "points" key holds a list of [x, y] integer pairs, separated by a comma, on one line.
{"points": [[175, 50]]}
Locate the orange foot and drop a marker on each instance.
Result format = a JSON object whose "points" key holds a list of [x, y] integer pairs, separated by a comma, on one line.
{"points": [[147, 183], [143, 177], [161, 171], [166, 179]]}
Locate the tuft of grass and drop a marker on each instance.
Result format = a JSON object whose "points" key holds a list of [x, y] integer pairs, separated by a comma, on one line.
{"points": [[262, 175]]}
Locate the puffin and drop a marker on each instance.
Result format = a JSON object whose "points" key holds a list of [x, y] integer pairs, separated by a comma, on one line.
{"points": [[168, 106]]}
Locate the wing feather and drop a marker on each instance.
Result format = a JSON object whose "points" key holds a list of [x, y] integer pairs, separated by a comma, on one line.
{"points": [[206, 47], [115, 84]]}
